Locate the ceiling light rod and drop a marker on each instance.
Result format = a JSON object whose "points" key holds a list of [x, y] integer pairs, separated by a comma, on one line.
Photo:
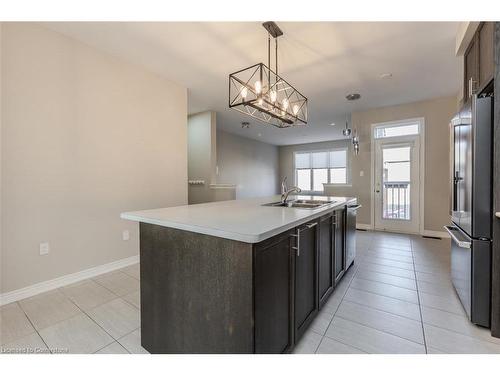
{"points": [[261, 93]]}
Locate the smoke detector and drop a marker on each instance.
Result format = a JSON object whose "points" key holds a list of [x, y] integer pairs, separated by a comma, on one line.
{"points": [[353, 96]]}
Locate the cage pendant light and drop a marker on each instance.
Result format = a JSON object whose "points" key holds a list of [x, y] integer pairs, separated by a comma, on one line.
{"points": [[261, 93]]}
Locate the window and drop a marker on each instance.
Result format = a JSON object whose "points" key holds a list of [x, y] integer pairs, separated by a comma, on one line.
{"points": [[396, 130], [313, 169]]}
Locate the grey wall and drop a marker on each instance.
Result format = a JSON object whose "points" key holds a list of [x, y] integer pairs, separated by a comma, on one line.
{"points": [[202, 148], [251, 165]]}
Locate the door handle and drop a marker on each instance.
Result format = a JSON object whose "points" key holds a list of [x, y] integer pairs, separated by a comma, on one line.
{"points": [[312, 225], [297, 238], [354, 208], [377, 191], [460, 243]]}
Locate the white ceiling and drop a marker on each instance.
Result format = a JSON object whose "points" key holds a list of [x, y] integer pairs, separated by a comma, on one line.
{"points": [[323, 60]]}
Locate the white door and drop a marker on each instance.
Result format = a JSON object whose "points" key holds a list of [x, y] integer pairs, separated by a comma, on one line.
{"points": [[397, 185]]}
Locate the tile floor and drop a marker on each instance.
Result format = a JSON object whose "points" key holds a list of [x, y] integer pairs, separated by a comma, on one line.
{"points": [[397, 298]]}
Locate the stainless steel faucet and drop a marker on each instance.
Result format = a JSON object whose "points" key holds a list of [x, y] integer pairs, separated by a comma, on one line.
{"points": [[286, 193], [283, 185]]}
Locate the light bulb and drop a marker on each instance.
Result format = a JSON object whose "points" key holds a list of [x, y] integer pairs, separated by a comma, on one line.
{"points": [[244, 92], [258, 87], [273, 95], [285, 104], [295, 109]]}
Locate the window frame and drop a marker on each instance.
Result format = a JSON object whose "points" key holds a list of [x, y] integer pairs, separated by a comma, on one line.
{"points": [[397, 124], [310, 152]]}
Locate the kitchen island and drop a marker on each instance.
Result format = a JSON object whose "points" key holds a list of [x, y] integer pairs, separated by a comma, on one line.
{"points": [[238, 276]]}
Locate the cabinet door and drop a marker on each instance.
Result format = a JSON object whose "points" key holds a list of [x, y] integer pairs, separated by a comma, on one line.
{"points": [[273, 294], [471, 68], [306, 277], [326, 254], [339, 245], [486, 58]]}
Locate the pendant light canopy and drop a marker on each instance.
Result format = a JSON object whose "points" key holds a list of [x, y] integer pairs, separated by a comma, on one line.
{"points": [[262, 94]]}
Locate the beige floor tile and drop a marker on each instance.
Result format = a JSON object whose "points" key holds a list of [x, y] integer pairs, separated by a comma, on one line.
{"points": [[442, 290], [330, 346], [394, 324], [133, 270], [437, 269], [77, 335], [395, 258], [118, 282], [132, 342], [31, 344], [387, 304], [48, 308], [409, 274], [332, 304], [134, 298], [88, 294], [401, 282], [308, 343], [431, 350], [434, 278], [321, 322], [113, 348], [449, 303], [386, 262], [452, 342], [369, 339], [117, 317], [13, 323], [456, 323], [385, 290]]}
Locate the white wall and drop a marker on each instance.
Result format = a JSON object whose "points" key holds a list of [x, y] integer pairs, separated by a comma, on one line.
{"points": [[251, 165], [85, 136]]}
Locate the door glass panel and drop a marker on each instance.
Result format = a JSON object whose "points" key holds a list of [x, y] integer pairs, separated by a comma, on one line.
{"points": [[396, 173]]}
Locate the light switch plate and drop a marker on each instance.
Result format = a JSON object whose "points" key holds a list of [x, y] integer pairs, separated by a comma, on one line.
{"points": [[44, 248], [361, 173], [126, 235]]}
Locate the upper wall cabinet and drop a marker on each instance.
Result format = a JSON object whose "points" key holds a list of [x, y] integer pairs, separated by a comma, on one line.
{"points": [[486, 56], [478, 60]]}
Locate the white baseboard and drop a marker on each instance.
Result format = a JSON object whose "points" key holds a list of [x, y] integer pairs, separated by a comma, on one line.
{"points": [[59, 282], [435, 233], [364, 226]]}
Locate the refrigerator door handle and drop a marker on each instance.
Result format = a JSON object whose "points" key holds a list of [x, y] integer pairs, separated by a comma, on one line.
{"points": [[452, 230]]}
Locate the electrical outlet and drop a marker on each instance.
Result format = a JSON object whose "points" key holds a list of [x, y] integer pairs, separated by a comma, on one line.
{"points": [[44, 248], [126, 235]]}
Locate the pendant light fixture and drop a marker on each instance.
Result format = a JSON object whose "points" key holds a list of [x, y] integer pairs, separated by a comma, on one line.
{"points": [[261, 93], [347, 131]]}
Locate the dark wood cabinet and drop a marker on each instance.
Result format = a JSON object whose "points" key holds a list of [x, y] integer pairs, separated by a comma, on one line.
{"points": [[306, 276], [339, 247], [486, 58], [206, 294], [273, 281], [326, 257], [471, 68], [479, 65]]}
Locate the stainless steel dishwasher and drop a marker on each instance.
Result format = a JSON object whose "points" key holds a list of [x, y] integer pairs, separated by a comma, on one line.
{"points": [[350, 234]]}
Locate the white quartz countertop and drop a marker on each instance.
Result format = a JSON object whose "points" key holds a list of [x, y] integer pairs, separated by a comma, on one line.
{"points": [[244, 220]]}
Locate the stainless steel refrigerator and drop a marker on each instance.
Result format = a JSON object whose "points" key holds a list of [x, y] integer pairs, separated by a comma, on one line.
{"points": [[472, 209]]}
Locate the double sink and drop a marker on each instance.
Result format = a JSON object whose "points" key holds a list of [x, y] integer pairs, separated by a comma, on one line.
{"points": [[300, 203]]}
